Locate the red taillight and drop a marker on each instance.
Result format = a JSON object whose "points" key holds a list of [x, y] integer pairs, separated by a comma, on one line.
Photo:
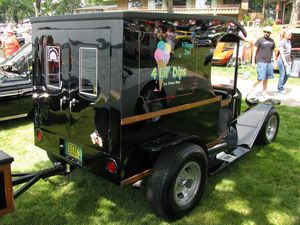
{"points": [[111, 166], [39, 135]]}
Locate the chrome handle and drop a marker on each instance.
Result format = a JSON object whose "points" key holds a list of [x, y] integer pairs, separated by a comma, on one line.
{"points": [[72, 103], [62, 101]]}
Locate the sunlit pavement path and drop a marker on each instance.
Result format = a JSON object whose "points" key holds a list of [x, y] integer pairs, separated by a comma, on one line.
{"points": [[292, 98]]}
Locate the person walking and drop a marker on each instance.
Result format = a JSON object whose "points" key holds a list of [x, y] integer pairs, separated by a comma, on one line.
{"points": [[284, 61], [11, 44], [263, 53]]}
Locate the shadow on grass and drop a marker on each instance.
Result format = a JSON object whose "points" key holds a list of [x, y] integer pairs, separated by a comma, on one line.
{"points": [[11, 124], [258, 190]]}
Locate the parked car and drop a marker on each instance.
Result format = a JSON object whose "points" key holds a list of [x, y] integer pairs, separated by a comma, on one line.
{"points": [[209, 36], [16, 84], [222, 54]]}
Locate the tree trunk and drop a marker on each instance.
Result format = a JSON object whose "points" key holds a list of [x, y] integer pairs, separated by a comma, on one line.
{"points": [[295, 16], [38, 7], [170, 6]]}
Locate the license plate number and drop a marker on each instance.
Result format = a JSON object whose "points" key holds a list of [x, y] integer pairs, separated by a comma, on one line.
{"points": [[73, 151]]}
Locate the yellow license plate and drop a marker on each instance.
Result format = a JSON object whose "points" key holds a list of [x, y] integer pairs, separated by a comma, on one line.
{"points": [[73, 151]]}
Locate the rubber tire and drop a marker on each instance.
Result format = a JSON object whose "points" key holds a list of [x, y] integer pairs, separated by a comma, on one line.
{"points": [[262, 136], [161, 183]]}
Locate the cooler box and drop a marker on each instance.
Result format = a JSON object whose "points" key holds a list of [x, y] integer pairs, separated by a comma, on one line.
{"points": [[6, 190]]}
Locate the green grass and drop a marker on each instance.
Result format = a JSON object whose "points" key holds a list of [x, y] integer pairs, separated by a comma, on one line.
{"points": [[260, 188]]}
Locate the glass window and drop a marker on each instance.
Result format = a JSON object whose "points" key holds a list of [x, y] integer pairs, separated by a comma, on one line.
{"points": [[53, 66], [223, 62], [88, 70]]}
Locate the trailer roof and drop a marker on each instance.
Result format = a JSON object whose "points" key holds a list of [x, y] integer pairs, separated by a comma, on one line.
{"points": [[134, 15]]}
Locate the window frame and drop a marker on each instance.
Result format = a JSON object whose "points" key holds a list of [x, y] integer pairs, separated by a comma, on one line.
{"points": [[47, 67], [80, 71]]}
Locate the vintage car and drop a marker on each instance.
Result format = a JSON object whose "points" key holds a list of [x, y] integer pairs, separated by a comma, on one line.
{"points": [[208, 34], [155, 117], [16, 84]]}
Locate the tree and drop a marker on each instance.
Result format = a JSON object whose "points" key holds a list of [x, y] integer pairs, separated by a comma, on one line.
{"points": [[15, 10], [295, 16], [170, 6], [64, 7], [37, 4], [98, 2]]}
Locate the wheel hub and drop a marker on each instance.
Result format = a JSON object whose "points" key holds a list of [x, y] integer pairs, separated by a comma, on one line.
{"points": [[187, 184], [271, 128]]}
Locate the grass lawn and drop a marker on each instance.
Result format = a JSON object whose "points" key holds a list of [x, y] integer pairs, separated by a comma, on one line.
{"points": [[260, 188]]}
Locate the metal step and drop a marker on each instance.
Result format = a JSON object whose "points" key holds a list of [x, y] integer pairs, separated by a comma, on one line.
{"points": [[229, 158]]}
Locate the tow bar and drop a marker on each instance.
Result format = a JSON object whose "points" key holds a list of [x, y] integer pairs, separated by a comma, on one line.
{"points": [[31, 178], [8, 180]]}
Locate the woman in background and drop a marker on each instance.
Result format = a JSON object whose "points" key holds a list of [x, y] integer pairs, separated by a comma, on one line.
{"points": [[284, 61]]}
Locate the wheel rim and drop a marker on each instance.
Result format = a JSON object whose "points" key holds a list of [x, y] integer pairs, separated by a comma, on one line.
{"points": [[271, 128], [187, 184]]}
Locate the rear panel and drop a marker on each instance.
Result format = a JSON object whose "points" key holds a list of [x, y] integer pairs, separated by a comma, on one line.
{"points": [[74, 100]]}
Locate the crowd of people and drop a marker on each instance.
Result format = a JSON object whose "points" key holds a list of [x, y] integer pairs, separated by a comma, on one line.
{"points": [[12, 37], [266, 58]]}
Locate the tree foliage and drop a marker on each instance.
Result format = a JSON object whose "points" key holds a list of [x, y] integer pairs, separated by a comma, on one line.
{"points": [[15, 10], [98, 2], [61, 7], [295, 16]]}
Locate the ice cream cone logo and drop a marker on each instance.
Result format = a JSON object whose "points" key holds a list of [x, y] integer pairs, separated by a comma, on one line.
{"points": [[162, 57]]}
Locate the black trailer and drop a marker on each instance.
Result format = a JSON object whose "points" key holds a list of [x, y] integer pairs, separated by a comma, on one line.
{"points": [[130, 96]]}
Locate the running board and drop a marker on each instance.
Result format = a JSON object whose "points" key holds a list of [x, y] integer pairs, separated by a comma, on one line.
{"points": [[229, 158]]}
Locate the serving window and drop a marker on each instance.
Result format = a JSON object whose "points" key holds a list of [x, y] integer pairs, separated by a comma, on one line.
{"points": [[53, 66], [88, 70]]}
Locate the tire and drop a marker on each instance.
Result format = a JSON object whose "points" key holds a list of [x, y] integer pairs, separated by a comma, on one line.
{"points": [[177, 181], [269, 128]]}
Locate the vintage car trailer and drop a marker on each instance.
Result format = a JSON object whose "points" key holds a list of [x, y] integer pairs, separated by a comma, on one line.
{"points": [[115, 94]]}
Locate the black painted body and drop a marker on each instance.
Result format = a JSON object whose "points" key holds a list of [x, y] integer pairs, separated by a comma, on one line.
{"points": [[127, 84]]}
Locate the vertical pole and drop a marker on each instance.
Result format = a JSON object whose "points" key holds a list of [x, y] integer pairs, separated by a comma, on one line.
{"points": [[263, 8]]}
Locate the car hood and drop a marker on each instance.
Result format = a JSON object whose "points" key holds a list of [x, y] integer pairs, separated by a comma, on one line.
{"points": [[19, 59], [4, 73]]}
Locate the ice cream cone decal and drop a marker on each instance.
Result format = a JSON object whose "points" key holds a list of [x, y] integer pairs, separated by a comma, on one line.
{"points": [[162, 57]]}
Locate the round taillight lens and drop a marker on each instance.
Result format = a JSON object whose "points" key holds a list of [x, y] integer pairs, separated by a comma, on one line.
{"points": [[111, 166], [39, 135]]}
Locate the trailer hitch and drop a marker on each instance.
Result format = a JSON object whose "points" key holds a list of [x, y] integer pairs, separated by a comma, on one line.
{"points": [[31, 178]]}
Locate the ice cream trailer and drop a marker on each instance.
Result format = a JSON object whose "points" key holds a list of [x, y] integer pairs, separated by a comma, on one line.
{"points": [[129, 96]]}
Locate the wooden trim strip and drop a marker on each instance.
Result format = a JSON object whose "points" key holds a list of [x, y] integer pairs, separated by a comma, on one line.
{"points": [[135, 178], [225, 102], [13, 117], [8, 190], [146, 116]]}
